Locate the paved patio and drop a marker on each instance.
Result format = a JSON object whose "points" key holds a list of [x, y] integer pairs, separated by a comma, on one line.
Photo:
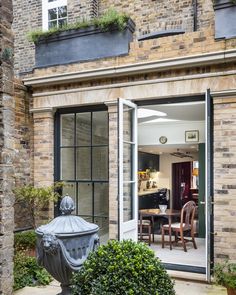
{"points": [[181, 287]]}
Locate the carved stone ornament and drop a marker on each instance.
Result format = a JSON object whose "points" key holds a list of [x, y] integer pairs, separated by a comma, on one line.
{"points": [[64, 244]]}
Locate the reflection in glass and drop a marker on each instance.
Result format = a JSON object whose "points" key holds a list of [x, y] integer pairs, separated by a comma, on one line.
{"points": [[101, 208], [127, 124], [52, 24], [83, 129], [100, 128], [67, 129], [52, 14], [127, 202], [62, 11], [100, 163], [62, 22], [67, 164], [83, 163], [127, 161], [85, 200]]}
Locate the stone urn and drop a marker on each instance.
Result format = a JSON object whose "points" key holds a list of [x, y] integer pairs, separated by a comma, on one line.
{"points": [[65, 243]]}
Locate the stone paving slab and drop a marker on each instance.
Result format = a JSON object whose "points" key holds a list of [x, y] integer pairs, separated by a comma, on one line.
{"points": [[181, 287]]}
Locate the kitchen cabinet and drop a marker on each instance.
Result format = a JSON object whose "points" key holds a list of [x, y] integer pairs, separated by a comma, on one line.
{"points": [[148, 161], [152, 200]]}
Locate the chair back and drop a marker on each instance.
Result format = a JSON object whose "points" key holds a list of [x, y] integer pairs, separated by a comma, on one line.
{"points": [[187, 215]]}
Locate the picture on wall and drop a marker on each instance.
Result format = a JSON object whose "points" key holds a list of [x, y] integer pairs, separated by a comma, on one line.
{"points": [[192, 136]]}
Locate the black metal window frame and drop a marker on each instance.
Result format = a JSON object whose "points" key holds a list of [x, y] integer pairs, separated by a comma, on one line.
{"points": [[58, 147]]}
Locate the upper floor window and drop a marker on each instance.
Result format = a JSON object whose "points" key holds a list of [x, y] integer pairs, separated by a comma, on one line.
{"points": [[54, 13]]}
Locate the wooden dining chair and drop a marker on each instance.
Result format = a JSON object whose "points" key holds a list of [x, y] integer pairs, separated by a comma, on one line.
{"points": [[145, 231], [186, 225]]}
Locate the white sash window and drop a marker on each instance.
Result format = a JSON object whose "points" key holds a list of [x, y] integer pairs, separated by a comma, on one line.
{"points": [[54, 14]]}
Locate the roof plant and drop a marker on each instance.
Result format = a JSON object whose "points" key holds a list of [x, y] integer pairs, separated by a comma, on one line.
{"points": [[110, 20]]}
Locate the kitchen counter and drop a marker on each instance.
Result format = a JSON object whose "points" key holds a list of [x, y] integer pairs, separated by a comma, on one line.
{"points": [[148, 191]]}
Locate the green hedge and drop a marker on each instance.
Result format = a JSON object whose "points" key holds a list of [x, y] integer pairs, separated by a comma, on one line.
{"points": [[27, 272], [122, 268], [25, 240]]}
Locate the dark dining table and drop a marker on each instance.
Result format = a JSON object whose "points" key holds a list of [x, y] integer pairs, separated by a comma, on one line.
{"points": [[169, 213]]}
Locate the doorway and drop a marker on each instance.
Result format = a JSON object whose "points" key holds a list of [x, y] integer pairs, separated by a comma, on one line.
{"points": [[174, 133]]}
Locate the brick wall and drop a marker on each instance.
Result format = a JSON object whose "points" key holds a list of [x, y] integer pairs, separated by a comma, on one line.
{"points": [[149, 16], [43, 140], [193, 43], [113, 171], [6, 149], [224, 178], [23, 149], [28, 17]]}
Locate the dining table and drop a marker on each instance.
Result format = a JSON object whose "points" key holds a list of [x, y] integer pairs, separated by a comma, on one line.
{"points": [[151, 213]]}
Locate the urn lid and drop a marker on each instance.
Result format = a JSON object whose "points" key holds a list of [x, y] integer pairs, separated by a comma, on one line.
{"points": [[68, 225]]}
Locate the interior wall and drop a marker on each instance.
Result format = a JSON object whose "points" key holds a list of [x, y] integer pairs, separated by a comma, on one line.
{"points": [[164, 177], [149, 134]]}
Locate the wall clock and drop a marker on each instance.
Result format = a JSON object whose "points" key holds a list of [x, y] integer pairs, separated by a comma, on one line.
{"points": [[163, 139]]}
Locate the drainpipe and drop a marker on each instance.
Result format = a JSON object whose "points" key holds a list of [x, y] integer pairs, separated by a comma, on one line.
{"points": [[194, 15]]}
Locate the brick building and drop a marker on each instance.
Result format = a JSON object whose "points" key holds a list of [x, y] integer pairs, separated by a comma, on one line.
{"points": [[69, 119]]}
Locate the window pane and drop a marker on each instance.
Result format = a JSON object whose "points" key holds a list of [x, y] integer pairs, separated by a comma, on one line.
{"points": [[67, 164], [85, 200], [70, 189], [127, 202], [100, 163], [52, 14], [83, 163], [127, 162], [62, 22], [101, 206], [52, 24], [127, 123], [100, 128], [67, 130], [62, 11], [83, 129]]}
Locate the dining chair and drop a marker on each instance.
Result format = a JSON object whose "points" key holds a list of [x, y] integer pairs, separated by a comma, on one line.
{"points": [[145, 232], [186, 225]]}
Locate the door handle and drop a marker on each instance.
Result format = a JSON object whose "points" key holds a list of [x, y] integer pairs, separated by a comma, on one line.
{"points": [[202, 202]]}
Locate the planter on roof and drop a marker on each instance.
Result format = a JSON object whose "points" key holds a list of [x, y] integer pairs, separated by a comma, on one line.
{"points": [[225, 19], [82, 45]]}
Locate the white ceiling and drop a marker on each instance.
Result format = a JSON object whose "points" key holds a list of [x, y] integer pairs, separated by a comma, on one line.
{"points": [[190, 112]]}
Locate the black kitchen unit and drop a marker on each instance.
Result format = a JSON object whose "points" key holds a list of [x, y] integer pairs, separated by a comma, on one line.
{"points": [[148, 161]]}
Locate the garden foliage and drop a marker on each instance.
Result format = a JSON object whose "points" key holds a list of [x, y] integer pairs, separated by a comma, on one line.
{"points": [[126, 268], [27, 272]]}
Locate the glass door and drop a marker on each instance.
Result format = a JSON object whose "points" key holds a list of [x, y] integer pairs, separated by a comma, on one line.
{"points": [[128, 199]]}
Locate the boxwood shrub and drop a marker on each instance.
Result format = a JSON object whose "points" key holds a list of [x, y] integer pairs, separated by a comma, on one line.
{"points": [[27, 272], [122, 268], [25, 240]]}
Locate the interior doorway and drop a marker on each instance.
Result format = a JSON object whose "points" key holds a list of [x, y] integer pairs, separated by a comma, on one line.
{"points": [[171, 145]]}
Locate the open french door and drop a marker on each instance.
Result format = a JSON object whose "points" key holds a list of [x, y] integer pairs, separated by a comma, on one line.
{"points": [[209, 183], [128, 155]]}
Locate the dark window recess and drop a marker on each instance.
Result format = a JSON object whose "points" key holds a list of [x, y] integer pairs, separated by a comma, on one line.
{"points": [[160, 34], [148, 161]]}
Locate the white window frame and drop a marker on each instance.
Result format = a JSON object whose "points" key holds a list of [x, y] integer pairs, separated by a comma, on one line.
{"points": [[49, 5]]}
